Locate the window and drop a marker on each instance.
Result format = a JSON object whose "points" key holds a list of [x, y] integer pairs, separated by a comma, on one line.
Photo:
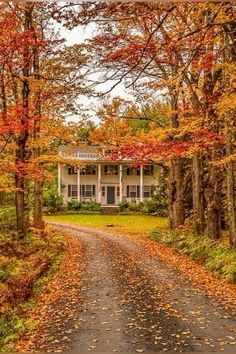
{"points": [[72, 170], [111, 169], [87, 190], [72, 191], [103, 191], [148, 170], [147, 191], [131, 171], [118, 191], [88, 170], [133, 191]]}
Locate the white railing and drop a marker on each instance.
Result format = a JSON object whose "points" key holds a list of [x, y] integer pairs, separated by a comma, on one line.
{"points": [[81, 155], [88, 155]]}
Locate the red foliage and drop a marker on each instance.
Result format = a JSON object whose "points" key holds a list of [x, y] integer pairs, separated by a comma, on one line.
{"points": [[141, 153]]}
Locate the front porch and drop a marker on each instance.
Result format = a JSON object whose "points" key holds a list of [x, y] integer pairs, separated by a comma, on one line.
{"points": [[106, 187]]}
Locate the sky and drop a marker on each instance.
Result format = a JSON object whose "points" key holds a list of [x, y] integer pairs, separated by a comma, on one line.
{"points": [[76, 36]]}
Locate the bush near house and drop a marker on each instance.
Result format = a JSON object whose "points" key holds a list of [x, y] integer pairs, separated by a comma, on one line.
{"points": [[52, 201], [157, 205], [75, 205]]}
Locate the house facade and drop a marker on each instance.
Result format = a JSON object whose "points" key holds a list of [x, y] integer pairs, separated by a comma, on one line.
{"points": [[97, 178]]}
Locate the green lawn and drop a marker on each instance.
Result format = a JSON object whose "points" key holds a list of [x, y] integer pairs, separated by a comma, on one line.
{"points": [[135, 224]]}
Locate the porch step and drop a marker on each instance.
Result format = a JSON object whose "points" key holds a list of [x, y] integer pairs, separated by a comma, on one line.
{"points": [[109, 209]]}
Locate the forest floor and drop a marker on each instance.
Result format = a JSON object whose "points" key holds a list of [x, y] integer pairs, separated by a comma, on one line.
{"points": [[118, 292]]}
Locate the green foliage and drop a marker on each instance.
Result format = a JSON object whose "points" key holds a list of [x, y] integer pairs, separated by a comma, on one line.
{"points": [[5, 271], [218, 258], [73, 205], [124, 205], [52, 201], [136, 207], [7, 217], [91, 206], [158, 203]]}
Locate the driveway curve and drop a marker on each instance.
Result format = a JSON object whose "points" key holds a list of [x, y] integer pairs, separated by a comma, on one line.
{"points": [[133, 302]]}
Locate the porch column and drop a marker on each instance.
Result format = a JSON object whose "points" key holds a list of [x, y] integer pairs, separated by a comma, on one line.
{"points": [[120, 182], [78, 184], [99, 188], [141, 183], [59, 179]]}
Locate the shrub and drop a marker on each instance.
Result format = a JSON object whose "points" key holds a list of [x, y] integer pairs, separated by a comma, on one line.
{"points": [[52, 200], [135, 206], [74, 205], [158, 203], [91, 206], [124, 205]]}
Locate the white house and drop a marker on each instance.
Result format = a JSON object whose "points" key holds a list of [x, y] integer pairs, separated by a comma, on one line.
{"points": [[108, 182]]}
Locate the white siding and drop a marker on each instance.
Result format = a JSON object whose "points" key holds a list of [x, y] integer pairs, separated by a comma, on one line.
{"points": [[106, 180]]}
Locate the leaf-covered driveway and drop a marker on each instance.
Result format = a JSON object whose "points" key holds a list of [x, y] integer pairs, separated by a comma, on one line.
{"points": [[130, 300]]}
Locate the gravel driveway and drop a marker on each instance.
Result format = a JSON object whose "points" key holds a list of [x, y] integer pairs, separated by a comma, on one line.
{"points": [[132, 302]]}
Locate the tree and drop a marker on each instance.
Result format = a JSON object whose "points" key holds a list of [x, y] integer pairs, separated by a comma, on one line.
{"points": [[38, 76], [177, 50]]}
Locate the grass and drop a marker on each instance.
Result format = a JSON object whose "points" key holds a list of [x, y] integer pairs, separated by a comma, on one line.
{"points": [[217, 257], [134, 224]]}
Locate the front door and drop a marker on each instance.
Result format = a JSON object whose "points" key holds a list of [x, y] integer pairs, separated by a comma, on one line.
{"points": [[110, 195]]}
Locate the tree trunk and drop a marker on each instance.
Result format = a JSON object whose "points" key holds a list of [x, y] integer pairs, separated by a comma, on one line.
{"points": [[21, 150], [20, 204], [231, 202], [198, 196], [38, 204], [213, 199], [38, 222], [176, 198], [229, 56]]}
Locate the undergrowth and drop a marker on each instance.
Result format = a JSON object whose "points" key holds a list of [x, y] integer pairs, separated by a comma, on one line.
{"points": [[215, 256], [25, 267]]}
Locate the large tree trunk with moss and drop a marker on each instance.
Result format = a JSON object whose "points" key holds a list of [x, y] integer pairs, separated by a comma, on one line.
{"points": [[198, 195]]}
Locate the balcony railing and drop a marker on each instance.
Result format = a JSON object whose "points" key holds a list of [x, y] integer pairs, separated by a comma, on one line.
{"points": [[81, 155], [88, 156]]}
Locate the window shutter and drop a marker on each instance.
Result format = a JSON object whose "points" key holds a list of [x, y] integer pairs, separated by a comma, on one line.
{"points": [[128, 171], [69, 170], [138, 191], [94, 190], [69, 190], [138, 171], [105, 169], [127, 191], [152, 169]]}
